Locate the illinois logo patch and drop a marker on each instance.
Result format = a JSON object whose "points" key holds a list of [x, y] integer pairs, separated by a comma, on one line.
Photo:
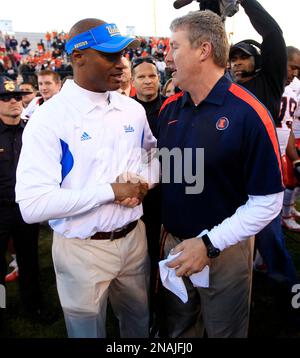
{"points": [[222, 124]]}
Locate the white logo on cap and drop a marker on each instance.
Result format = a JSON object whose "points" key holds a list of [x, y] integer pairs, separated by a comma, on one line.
{"points": [[113, 30], [83, 43]]}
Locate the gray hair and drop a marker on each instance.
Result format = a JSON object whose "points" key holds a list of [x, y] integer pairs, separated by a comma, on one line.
{"points": [[205, 26]]}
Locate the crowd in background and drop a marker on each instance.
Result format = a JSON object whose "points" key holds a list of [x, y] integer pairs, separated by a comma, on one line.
{"points": [[20, 61]]}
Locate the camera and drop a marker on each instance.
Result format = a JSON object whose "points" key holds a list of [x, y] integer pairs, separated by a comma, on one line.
{"points": [[212, 5], [223, 8]]}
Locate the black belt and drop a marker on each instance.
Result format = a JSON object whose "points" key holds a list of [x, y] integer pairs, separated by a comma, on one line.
{"points": [[116, 234]]}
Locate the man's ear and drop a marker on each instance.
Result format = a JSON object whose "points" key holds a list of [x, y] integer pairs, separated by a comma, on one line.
{"points": [[205, 50], [78, 57]]}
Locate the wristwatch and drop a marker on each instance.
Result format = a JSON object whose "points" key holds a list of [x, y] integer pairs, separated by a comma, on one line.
{"points": [[212, 251]]}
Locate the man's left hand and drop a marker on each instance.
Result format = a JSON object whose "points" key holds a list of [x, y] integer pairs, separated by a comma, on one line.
{"points": [[192, 259]]}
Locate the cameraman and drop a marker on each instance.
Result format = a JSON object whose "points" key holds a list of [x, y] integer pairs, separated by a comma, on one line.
{"points": [[262, 74]]}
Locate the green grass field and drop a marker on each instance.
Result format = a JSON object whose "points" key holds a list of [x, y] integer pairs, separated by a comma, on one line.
{"points": [[265, 320]]}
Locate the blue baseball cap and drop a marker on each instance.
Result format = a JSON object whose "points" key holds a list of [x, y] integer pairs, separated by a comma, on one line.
{"points": [[105, 38]]}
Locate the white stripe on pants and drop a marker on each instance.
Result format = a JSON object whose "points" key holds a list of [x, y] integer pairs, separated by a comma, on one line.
{"points": [[90, 271]]}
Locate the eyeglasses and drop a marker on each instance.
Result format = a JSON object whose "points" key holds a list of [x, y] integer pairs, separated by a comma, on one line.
{"points": [[137, 61], [16, 97]]}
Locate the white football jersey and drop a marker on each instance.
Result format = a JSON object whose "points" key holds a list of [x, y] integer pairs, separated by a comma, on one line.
{"points": [[288, 106], [295, 86]]}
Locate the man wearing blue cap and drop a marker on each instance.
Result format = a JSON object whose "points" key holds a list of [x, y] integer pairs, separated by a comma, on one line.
{"points": [[83, 139]]}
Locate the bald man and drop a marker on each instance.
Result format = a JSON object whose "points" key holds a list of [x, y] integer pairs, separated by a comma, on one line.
{"points": [[85, 138]]}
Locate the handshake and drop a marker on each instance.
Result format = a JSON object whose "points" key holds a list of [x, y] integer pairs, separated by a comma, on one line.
{"points": [[129, 189]]}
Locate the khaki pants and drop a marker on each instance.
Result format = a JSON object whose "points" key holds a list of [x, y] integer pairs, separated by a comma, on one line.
{"points": [[223, 308], [90, 271]]}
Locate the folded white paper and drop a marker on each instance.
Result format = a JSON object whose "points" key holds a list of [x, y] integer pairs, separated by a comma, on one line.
{"points": [[175, 283]]}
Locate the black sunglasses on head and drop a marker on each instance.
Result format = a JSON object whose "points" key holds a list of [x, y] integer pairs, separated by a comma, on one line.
{"points": [[16, 97], [139, 60]]}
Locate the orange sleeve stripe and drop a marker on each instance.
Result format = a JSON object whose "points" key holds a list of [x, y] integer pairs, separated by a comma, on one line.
{"points": [[263, 115], [171, 99]]}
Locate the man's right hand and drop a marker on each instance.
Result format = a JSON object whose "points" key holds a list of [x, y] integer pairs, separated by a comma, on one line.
{"points": [[129, 194]]}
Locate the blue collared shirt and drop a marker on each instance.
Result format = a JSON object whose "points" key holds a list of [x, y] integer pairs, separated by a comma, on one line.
{"points": [[241, 156]]}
